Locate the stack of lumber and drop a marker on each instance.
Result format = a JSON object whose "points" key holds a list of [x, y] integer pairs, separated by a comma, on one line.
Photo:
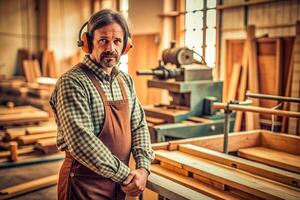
{"points": [[267, 166], [245, 76], [21, 132], [23, 93], [28, 139], [21, 115]]}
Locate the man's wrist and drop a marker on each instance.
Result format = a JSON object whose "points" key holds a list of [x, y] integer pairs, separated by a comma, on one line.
{"points": [[145, 170]]}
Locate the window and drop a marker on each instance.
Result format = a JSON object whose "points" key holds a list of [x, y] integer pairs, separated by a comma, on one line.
{"points": [[200, 26]]}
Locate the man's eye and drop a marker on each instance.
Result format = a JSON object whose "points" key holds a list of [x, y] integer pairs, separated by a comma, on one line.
{"points": [[118, 42], [102, 41]]}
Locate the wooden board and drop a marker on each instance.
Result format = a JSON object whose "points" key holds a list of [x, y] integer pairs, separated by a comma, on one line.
{"points": [[192, 183], [256, 168], [28, 187], [281, 142], [229, 176], [31, 139], [14, 133], [41, 129], [144, 55], [242, 86], [272, 157], [234, 81], [24, 117], [294, 123], [236, 141], [15, 110], [170, 189], [252, 119]]}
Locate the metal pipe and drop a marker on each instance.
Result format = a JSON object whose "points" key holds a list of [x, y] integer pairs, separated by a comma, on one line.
{"points": [[272, 97], [226, 130], [257, 109]]}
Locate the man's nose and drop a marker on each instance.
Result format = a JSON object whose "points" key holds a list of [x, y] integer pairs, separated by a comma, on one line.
{"points": [[110, 46]]}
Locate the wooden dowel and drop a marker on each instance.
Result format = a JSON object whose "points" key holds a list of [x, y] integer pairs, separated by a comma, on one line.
{"points": [[256, 109]]}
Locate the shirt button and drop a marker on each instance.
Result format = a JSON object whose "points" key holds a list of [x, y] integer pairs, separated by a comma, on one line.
{"points": [[71, 174]]}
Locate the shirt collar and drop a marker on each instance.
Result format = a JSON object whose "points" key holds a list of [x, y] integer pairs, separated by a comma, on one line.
{"points": [[99, 71]]}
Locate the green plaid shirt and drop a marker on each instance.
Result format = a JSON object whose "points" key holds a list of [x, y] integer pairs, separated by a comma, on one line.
{"points": [[79, 114]]}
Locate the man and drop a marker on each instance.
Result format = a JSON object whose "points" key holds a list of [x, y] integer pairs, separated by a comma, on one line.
{"points": [[100, 120]]}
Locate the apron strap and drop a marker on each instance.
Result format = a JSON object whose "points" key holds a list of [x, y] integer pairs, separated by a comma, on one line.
{"points": [[121, 84], [92, 77]]}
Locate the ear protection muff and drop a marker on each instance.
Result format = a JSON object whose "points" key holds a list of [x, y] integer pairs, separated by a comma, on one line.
{"points": [[85, 43], [84, 40]]}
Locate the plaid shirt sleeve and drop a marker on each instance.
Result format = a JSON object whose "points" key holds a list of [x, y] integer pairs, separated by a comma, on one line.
{"points": [[141, 143], [73, 113]]}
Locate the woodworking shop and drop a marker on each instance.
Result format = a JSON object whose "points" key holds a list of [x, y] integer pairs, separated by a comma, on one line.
{"points": [[149, 99]]}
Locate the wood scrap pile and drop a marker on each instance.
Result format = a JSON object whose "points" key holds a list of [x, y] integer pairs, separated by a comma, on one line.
{"points": [[267, 165], [20, 92], [21, 135], [267, 66]]}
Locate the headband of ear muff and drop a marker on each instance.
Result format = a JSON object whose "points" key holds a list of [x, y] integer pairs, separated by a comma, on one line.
{"points": [[84, 41]]}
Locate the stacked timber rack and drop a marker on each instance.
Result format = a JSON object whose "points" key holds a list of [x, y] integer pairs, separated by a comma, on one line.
{"points": [[20, 92], [263, 65], [261, 165], [26, 132]]}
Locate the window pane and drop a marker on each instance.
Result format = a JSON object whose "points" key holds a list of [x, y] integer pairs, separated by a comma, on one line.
{"points": [[210, 55], [211, 3], [210, 36], [193, 5], [194, 21], [211, 18]]}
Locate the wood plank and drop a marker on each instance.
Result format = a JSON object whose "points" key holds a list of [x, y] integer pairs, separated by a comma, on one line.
{"points": [[252, 119], [236, 141], [192, 183], [256, 168], [21, 151], [155, 121], [171, 190], [242, 85], [160, 146], [234, 80], [209, 181], [47, 145], [174, 169], [41, 129], [36, 116], [293, 126], [272, 157], [31, 139], [17, 109], [281, 142], [231, 177], [28, 187], [14, 133]]}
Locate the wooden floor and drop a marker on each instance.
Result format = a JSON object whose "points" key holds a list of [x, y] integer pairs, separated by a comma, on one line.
{"points": [[17, 175]]}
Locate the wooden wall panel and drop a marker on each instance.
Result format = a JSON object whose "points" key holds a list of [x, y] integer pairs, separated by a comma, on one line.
{"points": [[144, 55]]}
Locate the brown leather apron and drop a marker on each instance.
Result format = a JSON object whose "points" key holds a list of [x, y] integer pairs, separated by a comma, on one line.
{"points": [[79, 182]]}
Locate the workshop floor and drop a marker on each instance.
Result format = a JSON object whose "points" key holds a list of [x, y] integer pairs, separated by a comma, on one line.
{"points": [[17, 175]]}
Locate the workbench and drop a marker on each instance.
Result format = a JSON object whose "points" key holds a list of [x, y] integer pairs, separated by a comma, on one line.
{"points": [[260, 165]]}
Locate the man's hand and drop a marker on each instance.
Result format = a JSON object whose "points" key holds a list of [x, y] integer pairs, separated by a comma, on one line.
{"points": [[135, 183]]}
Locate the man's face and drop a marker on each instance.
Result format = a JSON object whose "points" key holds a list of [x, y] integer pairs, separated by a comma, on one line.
{"points": [[107, 45]]}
